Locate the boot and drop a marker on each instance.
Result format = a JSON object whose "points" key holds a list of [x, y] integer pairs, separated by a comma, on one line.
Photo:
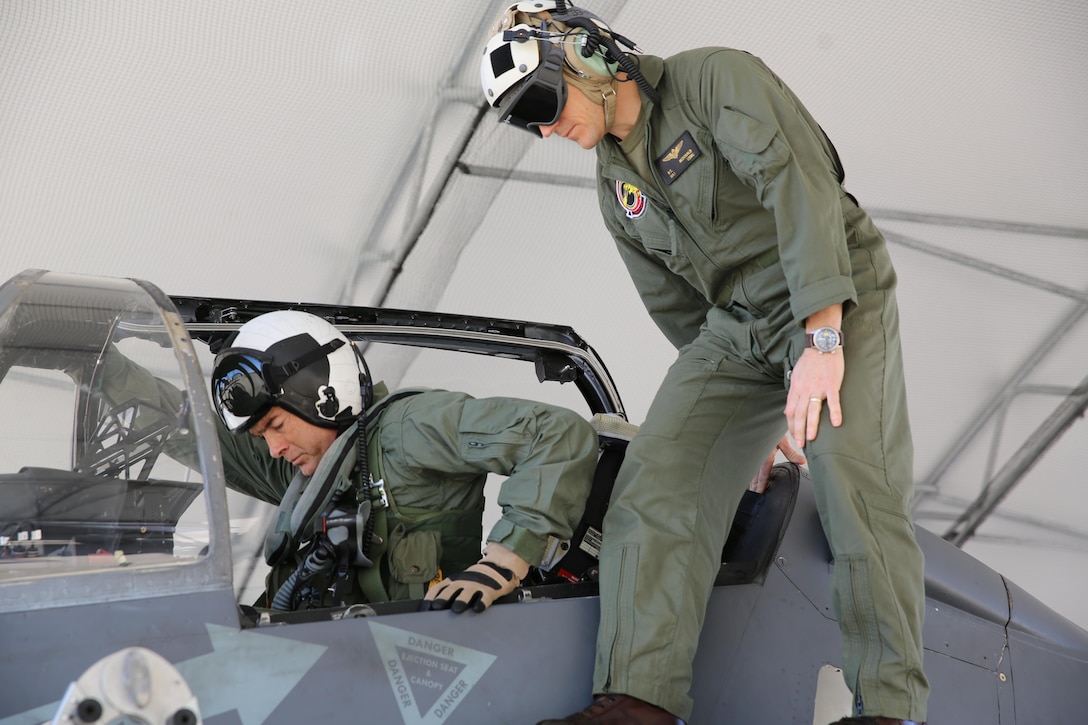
{"points": [[875, 721], [618, 710]]}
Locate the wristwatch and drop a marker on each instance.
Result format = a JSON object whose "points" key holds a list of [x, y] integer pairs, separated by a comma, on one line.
{"points": [[824, 339]]}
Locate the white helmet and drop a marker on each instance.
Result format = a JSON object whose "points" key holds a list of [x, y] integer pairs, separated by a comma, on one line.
{"points": [[294, 360], [506, 63], [533, 52]]}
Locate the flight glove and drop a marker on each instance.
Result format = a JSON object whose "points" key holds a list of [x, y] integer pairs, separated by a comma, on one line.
{"points": [[498, 573]]}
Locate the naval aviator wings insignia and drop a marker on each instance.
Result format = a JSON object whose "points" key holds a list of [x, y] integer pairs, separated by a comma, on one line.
{"points": [[682, 152]]}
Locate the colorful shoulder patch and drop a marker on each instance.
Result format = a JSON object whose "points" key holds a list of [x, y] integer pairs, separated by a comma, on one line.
{"points": [[678, 158], [631, 199]]}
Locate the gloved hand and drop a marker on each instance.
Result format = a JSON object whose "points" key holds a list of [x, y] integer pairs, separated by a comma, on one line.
{"points": [[498, 573]]}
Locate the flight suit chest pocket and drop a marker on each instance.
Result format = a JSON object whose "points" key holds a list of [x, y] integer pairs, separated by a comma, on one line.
{"points": [[658, 233], [673, 246]]}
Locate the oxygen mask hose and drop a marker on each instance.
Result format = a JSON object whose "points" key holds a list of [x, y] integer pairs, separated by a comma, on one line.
{"points": [[321, 559]]}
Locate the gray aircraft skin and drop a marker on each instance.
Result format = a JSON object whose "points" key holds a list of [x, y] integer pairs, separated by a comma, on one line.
{"points": [[115, 609]]}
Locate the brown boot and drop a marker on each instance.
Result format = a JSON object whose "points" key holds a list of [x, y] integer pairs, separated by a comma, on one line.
{"points": [[618, 710], [874, 721]]}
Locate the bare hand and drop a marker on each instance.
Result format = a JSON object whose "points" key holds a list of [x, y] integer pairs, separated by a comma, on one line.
{"points": [[759, 483], [815, 380]]}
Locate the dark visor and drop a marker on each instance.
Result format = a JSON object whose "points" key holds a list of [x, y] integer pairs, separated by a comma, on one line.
{"points": [[245, 382], [239, 386], [539, 99]]}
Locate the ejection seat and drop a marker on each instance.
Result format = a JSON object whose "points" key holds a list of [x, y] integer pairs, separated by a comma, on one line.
{"points": [[758, 526]]}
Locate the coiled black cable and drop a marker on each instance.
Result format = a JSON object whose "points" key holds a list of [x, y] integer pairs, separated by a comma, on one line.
{"points": [[584, 20], [365, 487]]}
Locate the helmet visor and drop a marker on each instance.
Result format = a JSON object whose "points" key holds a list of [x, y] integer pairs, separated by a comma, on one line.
{"points": [[240, 387], [539, 99], [246, 383]]}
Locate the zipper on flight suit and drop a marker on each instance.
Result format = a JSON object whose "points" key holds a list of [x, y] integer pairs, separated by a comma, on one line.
{"points": [[657, 181], [619, 625]]}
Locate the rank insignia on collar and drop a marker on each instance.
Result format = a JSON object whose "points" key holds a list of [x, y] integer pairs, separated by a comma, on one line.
{"points": [[678, 158], [631, 199]]}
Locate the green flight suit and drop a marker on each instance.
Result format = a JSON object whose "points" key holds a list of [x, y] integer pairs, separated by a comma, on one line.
{"points": [[743, 232], [434, 450]]}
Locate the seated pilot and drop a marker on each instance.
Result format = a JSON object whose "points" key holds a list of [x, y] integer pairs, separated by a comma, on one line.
{"points": [[381, 495]]}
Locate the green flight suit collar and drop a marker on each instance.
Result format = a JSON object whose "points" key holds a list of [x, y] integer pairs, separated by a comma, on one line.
{"points": [[652, 68]]}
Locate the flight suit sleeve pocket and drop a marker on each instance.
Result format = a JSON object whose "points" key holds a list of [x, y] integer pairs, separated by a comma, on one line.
{"points": [[490, 432], [751, 147]]}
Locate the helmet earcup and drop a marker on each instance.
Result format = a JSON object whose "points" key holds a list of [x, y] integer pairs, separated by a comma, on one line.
{"points": [[595, 67]]}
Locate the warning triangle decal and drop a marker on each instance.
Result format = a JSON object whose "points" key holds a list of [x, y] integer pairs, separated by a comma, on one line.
{"points": [[430, 677]]}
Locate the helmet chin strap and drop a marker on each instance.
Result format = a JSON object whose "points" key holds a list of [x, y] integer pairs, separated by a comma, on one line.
{"points": [[609, 101], [602, 92]]}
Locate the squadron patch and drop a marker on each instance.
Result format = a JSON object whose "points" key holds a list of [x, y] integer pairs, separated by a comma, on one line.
{"points": [[631, 199], [678, 158]]}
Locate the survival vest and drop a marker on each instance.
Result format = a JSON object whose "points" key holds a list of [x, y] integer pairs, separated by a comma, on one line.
{"points": [[411, 547]]}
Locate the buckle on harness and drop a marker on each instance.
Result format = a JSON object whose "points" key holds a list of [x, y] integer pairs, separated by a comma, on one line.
{"points": [[378, 493]]}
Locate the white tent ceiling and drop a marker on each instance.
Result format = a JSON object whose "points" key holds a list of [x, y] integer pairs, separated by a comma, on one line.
{"points": [[336, 151]]}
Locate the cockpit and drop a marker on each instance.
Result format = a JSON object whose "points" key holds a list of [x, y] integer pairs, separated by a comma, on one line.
{"points": [[110, 459]]}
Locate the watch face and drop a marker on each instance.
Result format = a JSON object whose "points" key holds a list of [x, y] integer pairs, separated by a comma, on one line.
{"points": [[825, 339]]}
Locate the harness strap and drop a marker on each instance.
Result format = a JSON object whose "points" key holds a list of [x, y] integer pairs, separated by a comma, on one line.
{"points": [[458, 551], [370, 578]]}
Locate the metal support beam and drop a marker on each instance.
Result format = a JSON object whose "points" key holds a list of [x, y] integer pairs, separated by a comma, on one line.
{"points": [[949, 220], [1021, 462]]}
